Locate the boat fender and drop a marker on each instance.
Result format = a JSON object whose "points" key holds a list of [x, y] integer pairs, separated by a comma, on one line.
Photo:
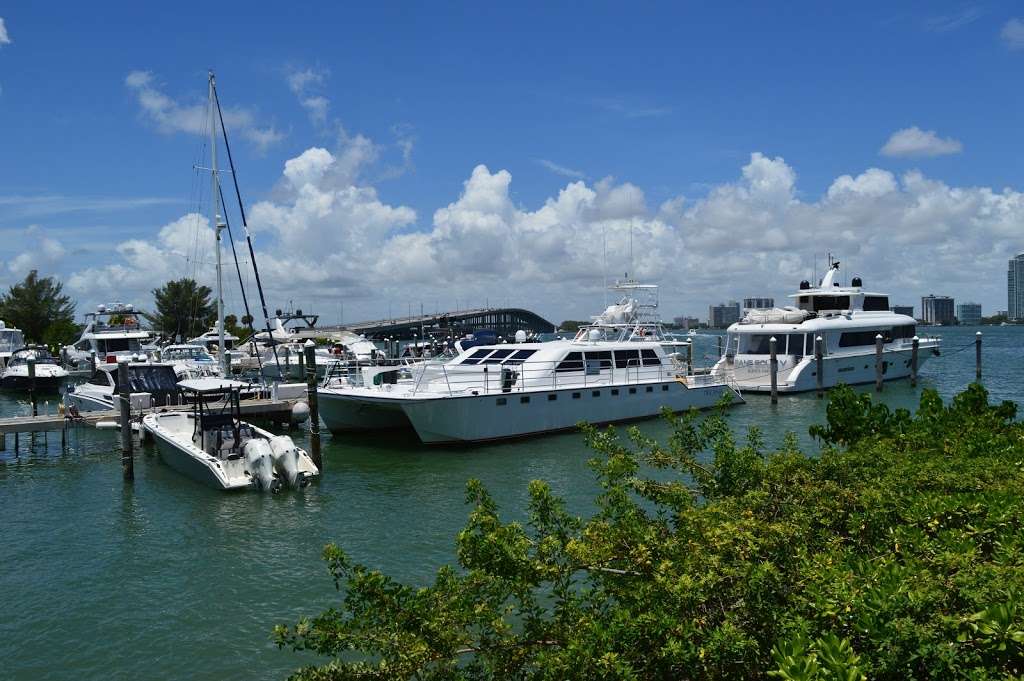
{"points": [[260, 465], [286, 459], [300, 412]]}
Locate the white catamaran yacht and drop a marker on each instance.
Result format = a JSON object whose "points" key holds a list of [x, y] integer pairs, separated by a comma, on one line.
{"points": [[112, 331], [615, 369], [847, 318]]}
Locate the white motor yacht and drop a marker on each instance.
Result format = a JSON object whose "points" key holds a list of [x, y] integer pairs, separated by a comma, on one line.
{"points": [[211, 341], [615, 369], [847, 319], [11, 339], [111, 333], [213, 445], [190, 361], [153, 384], [49, 376]]}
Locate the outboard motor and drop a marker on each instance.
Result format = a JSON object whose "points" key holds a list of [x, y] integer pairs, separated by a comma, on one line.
{"points": [[259, 463], [286, 461]]}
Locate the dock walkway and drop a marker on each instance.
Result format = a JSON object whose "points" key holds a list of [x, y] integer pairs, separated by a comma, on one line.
{"points": [[274, 410]]}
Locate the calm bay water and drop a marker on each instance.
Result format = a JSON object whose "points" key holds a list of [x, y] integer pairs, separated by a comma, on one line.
{"points": [[166, 579]]}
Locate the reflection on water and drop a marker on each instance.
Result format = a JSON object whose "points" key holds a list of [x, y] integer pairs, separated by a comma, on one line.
{"points": [[165, 578]]}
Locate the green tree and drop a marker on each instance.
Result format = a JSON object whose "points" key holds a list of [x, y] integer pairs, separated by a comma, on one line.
{"points": [[895, 553], [183, 308], [36, 304], [571, 326]]}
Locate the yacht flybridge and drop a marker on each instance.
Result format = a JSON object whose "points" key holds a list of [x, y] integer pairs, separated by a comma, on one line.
{"points": [[615, 369], [11, 339], [112, 331], [846, 318]]}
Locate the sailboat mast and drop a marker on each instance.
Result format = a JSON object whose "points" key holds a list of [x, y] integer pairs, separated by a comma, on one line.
{"points": [[217, 226]]}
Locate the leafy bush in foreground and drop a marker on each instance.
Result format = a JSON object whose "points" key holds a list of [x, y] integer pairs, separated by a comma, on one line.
{"points": [[896, 554]]}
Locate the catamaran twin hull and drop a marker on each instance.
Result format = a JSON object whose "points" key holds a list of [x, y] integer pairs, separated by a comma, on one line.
{"points": [[497, 415]]}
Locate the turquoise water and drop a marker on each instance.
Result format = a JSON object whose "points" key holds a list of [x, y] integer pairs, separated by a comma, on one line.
{"points": [[166, 579]]}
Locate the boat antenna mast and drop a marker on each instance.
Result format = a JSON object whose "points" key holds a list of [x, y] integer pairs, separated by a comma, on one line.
{"points": [[245, 228], [218, 226]]}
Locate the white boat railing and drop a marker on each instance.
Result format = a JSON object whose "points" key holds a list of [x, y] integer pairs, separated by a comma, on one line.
{"points": [[452, 380]]}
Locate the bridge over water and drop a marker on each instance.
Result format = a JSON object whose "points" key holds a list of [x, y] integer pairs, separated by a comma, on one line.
{"points": [[504, 321]]}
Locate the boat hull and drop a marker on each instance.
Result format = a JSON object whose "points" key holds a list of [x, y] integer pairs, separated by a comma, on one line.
{"points": [[497, 416], [24, 383], [186, 464], [801, 376]]}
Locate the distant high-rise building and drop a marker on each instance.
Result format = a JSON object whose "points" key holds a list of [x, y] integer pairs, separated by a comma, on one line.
{"points": [[758, 303], [723, 314], [969, 313], [903, 309], [686, 323], [937, 310], [1015, 288]]}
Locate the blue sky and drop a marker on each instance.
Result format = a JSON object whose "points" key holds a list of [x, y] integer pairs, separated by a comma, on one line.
{"points": [[629, 107]]}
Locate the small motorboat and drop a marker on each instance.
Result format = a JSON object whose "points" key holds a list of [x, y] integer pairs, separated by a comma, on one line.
{"points": [[48, 375], [213, 445]]}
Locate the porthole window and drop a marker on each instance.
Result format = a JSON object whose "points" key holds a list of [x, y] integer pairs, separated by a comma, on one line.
{"points": [[524, 399], [501, 401]]}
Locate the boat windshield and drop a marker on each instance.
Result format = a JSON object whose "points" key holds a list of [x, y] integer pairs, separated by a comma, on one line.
{"points": [[11, 340], [105, 345], [152, 378], [194, 353], [39, 355]]}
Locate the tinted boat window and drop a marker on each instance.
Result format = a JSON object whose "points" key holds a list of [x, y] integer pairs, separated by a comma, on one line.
{"points": [[572, 362], [602, 357], [476, 356], [627, 358], [518, 356], [754, 344], [650, 358], [498, 355], [831, 303], [876, 303]]}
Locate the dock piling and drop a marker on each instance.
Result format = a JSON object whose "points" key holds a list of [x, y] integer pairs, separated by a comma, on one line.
{"points": [[719, 344], [878, 362], [689, 358], [913, 362], [819, 362], [124, 392], [32, 386], [977, 356], [314, 407], [774, 369]]}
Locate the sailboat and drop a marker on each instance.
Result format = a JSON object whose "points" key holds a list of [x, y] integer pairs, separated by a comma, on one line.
{"points": [[214, 445]]}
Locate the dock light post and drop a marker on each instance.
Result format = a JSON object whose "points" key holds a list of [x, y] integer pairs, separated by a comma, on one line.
{"points": [[913, 362], [314, 407], [878, 362], [977, 356], [125, 393], [819, 362], [774, 369]]}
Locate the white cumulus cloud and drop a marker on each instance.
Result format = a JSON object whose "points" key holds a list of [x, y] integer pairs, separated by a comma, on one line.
{"points": [[5, 39], [44, 253], [170, 115], [913, 141], [1013, 34]]}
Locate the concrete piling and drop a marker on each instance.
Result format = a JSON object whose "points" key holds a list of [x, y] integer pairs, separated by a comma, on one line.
{"points": [[774, 369], [879, 368], [124, 392]]}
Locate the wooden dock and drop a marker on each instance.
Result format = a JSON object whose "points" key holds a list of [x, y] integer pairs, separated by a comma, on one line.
{"points": [[273, 410]]}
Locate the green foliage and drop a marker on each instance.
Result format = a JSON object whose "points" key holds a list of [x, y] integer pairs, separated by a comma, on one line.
{"points": [[571, 326], [36, 304], [60, 333], [182, 308], [897, 553]]}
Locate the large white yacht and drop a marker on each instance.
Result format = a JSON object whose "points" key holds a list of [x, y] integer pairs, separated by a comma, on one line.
{"points": [[111, 333], [211, 341], [847, 318], [615, 369]]}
